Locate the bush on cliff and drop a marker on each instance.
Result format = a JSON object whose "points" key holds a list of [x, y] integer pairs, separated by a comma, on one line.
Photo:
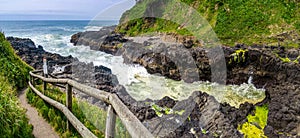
{"points": [[236, 21], [12, 67], [13, 74]]}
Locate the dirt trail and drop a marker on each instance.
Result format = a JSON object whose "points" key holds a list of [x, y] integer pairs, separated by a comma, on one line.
{"points": [[41, 128]]}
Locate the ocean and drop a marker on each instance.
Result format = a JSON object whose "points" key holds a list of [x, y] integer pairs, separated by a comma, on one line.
{"points": [[52, 35], [55, 37]]}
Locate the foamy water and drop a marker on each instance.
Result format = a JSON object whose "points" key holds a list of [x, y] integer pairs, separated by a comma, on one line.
{"points": [[139, 84]]}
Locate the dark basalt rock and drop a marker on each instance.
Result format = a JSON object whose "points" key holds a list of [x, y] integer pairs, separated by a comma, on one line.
{"points": [[104, 40], [202, 112], [96, 76], [281, 81], [32, 55], [261, 62], [267, 69]]}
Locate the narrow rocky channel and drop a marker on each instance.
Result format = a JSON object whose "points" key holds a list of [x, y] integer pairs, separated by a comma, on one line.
{"points": [[210, 106]]}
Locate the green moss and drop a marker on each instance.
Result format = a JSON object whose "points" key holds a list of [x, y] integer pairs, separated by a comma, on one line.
{"points": [[160, 111], [288, 60], [238, 55], [203, 131], [256, 124], [119, 45], [297, 60]]}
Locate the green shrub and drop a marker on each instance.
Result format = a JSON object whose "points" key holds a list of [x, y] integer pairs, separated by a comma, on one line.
{"points": [[12, 67], [234, 21], [13, 121], [13, 74], [91, 116]]}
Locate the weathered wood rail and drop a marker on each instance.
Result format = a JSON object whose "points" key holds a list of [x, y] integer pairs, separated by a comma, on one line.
{"points": [[116, 107]]}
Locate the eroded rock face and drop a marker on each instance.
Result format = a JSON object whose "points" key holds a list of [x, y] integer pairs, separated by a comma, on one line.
{"points": [[201, 113], [284, 110], [32, 55], [257, 61], [104, 40], [65, 67], [281, 81]]}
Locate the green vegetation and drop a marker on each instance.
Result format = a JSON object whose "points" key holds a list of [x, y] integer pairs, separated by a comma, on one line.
{"points": [[288, 60], [13, 74], [12, 67], [98, 117], [54, 116], [13, 122], [256, 124], [238, 55], [160, 111], [235, 21], [90, 115], [119, 45]]}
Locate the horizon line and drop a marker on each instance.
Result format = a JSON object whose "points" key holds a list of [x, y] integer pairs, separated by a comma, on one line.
{"points": [[59, 20]]}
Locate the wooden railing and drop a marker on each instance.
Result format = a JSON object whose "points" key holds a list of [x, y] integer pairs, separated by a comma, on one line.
{"points": [[116, 107]]}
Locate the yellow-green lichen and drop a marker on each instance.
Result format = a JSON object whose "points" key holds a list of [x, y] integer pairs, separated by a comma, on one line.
{"points": [[160, 111], [288, 60], [120, 45], [256, 124], [237, 55]]}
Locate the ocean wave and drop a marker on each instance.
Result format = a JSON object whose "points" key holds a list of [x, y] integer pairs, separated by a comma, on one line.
{"points": [[65, 29], [93, 28]]}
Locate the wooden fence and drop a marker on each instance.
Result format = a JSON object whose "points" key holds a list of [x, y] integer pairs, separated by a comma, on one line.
{"points": [[116, 107]]}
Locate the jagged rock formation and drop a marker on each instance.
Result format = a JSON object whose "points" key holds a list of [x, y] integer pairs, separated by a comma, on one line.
{"points": [[103, 40], [280, 79], [267, 65]]}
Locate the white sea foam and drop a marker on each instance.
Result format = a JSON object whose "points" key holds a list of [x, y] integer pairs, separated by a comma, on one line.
{"points": [[93, 28], [138, 82]]}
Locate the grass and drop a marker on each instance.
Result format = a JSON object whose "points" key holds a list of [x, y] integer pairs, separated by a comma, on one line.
{"points": [[234, 21], [13, 76], [12, 67], [256, 123], [13, 122], [91, 116]]}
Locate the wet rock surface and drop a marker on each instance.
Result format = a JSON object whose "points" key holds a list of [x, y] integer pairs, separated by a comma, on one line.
{"points": [[104, 40], [65, 67], [280, 79]]}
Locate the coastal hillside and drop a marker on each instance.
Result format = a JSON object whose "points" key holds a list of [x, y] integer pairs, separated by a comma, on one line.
{"points": [[271, 22], [13, 76]]}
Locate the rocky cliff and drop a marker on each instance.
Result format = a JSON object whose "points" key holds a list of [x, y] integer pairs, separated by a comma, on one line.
{"points": [[249, 22], [225, 118], [274, 68]]}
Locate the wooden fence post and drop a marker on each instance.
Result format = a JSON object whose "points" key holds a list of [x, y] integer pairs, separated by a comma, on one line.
{"points": [[45, 86], [69, 102], [110, 122], [45, 72], [32, 80]]}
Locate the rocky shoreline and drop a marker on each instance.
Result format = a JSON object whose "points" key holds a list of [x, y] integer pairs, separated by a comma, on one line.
{"points": [[273, 67], [281, 81]]}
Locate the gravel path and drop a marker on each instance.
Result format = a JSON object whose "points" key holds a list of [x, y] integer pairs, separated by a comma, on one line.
{"points": [[41, 129]]}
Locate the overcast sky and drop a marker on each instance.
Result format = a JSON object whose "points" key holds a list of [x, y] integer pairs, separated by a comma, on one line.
{"points": [[63, 9]]}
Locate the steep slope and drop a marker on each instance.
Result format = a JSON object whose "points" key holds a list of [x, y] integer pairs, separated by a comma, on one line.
{"points": [[269, 22], [13, 75]]}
